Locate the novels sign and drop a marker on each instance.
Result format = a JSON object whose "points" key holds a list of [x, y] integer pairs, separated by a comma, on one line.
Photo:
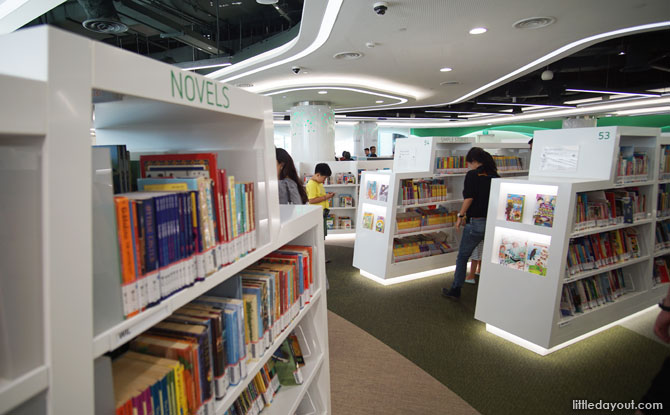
{"points": [[192, 88]]}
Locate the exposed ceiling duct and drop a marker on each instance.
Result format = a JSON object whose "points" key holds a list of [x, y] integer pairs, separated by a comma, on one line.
{"points": [[101, 17]]}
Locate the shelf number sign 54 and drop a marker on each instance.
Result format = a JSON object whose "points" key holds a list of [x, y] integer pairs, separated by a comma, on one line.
{"points": [[604, 135]]}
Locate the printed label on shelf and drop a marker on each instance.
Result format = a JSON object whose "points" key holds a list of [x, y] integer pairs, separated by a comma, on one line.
{"points": [[129, 298], [243, 368], [235, 374]]}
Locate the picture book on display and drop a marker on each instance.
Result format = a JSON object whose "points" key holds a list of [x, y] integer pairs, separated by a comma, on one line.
{"points": [[514, 208], [537, 255], [379, 224], [368, 219], [512, 252], [372, 190], [544, 210], [383, 192]]}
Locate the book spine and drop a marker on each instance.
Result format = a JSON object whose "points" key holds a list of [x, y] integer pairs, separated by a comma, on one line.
{"points": [[128, 278]]}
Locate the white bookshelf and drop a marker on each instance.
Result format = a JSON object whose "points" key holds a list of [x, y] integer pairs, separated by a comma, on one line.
{"points": [[48, 364], [525, 307], [307, 168]]}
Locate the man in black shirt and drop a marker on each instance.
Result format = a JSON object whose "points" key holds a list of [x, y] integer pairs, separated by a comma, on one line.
{"points": [[373, 151], [476, 190]]}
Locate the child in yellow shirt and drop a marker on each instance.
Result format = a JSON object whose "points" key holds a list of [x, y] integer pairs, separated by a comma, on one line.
{"points": [[317, 194]]}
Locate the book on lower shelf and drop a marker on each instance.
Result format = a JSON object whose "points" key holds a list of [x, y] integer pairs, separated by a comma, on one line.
{"points": [[609, 207], [661, 273], [202, 350], [632, 164], [421, 246], [590, 293], [602, 249]]}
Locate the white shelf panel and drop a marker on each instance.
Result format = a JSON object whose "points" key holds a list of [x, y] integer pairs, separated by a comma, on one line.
{"points": [[341, 231], [254, 366], [662, 285], [592, 272], [446, 229], [16, 391], [28, 102], [543, 230], [592, 231], [418, 205], [664, 181], [288, 398], [662, 218], [626, 297], [512, 172], [373, 202], [422, 264], [661, 252], [341, 185], [128, 329], [633, 184]]}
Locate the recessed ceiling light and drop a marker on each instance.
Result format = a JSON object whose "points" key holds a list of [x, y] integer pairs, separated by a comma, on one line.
{"points": [[266, 1], [541, 119], [446, 69], [323, 92], [534, 22], [379, 102], [348, 55], [236, 3], [478, 30], [622, 53]]}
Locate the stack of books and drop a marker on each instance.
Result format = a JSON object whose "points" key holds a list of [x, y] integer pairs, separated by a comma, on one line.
{"points": [[186, 362]]}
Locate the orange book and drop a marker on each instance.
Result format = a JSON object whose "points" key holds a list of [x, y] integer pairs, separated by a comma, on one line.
{"points": [[127, 256]]}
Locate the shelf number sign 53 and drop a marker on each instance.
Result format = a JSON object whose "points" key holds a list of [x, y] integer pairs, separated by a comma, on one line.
{"points": [[604, 135]]}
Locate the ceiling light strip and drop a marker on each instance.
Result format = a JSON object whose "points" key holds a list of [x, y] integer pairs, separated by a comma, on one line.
{"points": [[326, 27], [218, 65], [557, 52], [596, 91]]}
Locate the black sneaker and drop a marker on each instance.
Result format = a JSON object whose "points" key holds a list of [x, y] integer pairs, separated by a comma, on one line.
{"points": [[451, 293]]}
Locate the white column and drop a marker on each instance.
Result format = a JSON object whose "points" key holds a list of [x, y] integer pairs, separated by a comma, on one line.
{"points": [[312, 132], [366, 134]]}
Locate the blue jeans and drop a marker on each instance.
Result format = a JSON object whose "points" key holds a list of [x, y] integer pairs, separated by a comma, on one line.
{"points": [[473, 233]]}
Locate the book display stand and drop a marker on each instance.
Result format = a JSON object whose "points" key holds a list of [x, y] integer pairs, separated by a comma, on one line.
{"points": [[344, 183], [58, 313], [405, 217], [570, 249]]}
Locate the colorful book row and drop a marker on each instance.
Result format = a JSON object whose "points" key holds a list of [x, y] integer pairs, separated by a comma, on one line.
{"points": [[632, 162], [342, 200], [592, 292], [451, 163], [609, 207], [661, 273], [662, 235], [602, 249], [421, 246], [424, 219], [664, 172], [338, 222], [423, 191], [508, 163], [663, 207], [211, 339]]}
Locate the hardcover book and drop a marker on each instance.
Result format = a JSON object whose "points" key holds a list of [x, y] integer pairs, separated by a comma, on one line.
{"points": [[383, 192], [514, 208], [379, 224], [512, 252], [372, 190], [537, 255], [544, 210], [368, 219]]}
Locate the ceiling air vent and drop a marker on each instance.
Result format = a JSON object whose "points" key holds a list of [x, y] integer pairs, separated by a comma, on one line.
{"points": [[446, 83], [348, 55], [102, 17], [534, 22]]}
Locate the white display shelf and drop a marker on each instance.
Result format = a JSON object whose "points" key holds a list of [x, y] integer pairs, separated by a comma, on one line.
{"points": [[341, 185], [16, 391], [342, 208], [128, 329], [592, 272], [620, 302], [372, 202], [534, 315], [591, 231], [432, 262], [254, 366], [425, 232], [27, 100], [339, 231], [144, 109]]}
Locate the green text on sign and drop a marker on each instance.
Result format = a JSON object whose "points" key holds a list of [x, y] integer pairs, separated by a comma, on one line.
{"points": [[604, 135], [194, 89]]}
